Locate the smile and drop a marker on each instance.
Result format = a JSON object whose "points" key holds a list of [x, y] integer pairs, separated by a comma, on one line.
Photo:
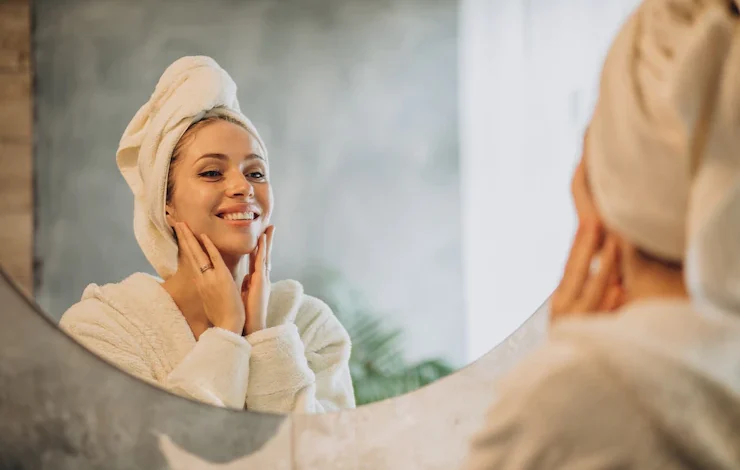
{"points": [[238, 216]]}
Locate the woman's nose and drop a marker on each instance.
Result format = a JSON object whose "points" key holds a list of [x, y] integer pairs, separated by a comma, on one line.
{"points": [[239, 186]]}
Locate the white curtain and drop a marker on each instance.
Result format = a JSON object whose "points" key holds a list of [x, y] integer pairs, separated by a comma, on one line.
{"points": [[528, 80]]}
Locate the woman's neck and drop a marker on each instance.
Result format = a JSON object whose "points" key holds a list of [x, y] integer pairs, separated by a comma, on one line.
{"points": [[655, 284], [233, 264]]}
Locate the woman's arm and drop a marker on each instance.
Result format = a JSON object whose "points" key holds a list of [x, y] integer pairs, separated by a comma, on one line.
{"points": [[301, 367], [215, 371]]}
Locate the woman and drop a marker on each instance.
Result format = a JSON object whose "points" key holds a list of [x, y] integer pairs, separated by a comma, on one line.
{"points": [[653, 382], [216, 329]]}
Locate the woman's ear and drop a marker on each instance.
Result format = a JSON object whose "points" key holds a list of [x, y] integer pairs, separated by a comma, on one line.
{"points": [[169, 216]]}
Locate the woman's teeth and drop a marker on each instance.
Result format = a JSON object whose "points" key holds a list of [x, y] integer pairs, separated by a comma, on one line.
{"points": [[239, 216]]}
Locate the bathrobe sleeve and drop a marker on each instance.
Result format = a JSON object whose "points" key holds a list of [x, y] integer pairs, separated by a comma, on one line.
{"points": [[303, 366], [560, 409], [215, 371]]}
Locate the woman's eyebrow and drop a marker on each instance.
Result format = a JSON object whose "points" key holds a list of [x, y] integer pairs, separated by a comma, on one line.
{"points": [[221, 156], [217, 156]]}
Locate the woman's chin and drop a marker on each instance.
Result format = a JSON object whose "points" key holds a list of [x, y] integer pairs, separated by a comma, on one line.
{"points": [[234, 245], [236, 250]]}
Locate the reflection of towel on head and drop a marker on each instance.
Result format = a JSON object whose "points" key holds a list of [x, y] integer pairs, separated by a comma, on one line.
{"points": [[663, 147], [655, 385], [191, 89]]}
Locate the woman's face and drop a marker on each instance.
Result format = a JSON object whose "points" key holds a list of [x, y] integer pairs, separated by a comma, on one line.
{"points": [[221, 188]]}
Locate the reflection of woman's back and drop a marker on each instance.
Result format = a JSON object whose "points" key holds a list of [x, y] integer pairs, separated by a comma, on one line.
{"points": [[655, 384], [216, 329]]}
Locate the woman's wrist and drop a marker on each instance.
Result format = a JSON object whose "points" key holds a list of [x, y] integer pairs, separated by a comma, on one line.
{"points": [[251, 328], [230, 326]]}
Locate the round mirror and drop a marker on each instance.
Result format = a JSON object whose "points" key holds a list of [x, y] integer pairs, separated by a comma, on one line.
{"points": [[419, 157]]}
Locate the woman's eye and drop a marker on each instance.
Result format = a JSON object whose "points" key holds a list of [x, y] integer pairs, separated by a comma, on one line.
{"points": [[256, 175], [211, 174]]}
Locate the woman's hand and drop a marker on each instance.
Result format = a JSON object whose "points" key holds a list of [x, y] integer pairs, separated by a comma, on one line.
{"points": [[221, 300], [256, 285], [583, 289]]}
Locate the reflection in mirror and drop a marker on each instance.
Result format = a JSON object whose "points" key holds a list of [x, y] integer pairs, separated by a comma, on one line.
{"points": [[213, 327], [360, 153], [394, 206]]}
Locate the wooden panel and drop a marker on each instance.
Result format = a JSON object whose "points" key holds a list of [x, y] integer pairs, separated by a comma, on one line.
{"points": [[16, 168]]}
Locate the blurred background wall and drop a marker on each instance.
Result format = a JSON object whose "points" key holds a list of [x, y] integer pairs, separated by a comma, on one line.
{"points": [[356, 100], [529, 75], [421, 150]]}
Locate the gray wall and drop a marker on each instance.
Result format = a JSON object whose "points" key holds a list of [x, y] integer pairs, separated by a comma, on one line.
{"points": [[356, 99]]}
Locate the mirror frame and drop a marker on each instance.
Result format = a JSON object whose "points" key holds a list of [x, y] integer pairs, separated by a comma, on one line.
{"points": [[63, 407]]}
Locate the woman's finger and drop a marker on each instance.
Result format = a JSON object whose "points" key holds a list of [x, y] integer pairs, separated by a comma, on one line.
{"points": [[615, 278], [213, 253], [185, 247], [270, 235], [614, 291], [595, 289], [199, 256], [578, 266], [253, 258], [612, 299], [261, 248], [245, 285], [244, 290]]}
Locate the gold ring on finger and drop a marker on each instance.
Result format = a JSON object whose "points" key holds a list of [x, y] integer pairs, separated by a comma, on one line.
{"points": [[206, 267]]}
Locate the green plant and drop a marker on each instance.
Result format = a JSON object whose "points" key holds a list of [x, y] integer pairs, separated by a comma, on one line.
{"points": [[377, 365]]}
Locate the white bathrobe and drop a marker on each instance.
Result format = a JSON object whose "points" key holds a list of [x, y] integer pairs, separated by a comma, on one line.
{"points": [[655, 387], [299, 363]]}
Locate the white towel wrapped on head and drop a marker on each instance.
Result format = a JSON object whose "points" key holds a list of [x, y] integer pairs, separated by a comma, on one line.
{"points": [[191, 89], [664, 141]]}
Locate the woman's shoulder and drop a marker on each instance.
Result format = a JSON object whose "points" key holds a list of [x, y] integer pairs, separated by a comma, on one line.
{"points": [[288, 300], [311, 315], [293, 291], [112, 301]]}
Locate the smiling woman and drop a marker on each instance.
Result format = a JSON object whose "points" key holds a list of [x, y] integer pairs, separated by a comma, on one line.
{"points": [[214, 328], [223, 194]]}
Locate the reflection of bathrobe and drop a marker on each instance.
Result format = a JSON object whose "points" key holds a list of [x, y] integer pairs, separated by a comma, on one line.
{"points": [[299, 363], [655, 387]]}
